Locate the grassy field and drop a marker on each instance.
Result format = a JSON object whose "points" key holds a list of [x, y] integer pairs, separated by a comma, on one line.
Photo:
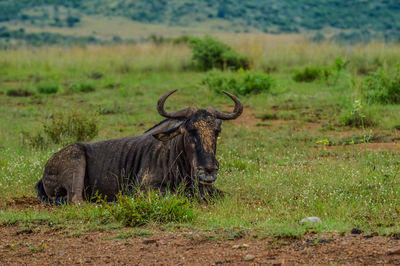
{"points": [[291, 155]]}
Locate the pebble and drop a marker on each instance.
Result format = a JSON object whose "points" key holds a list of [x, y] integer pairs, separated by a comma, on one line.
{"points": [[312, 219], [393, 251], [149, 241], [276, 262], [249, 257], [356, 231]]}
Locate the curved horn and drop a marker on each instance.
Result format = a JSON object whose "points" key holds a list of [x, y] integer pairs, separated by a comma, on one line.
{"points": [[183, 113], [236, 112]]}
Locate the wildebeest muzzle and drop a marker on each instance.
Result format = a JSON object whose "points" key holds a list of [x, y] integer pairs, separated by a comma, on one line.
{"points": [[207, 176]]}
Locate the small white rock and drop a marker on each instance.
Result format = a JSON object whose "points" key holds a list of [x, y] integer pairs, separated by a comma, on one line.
{"points": [[393, 251], [312, 219], [249, 257]]}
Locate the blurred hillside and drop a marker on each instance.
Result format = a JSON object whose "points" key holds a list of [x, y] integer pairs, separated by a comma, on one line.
{"points": [[339, 20]]}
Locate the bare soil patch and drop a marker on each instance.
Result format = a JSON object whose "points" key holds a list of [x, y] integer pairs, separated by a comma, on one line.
{"points": [[25, 202], [381, 146], [247, 119], [43, 246]]}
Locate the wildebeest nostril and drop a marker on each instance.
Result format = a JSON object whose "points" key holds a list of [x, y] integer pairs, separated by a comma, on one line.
{"points": [[211, 170]]}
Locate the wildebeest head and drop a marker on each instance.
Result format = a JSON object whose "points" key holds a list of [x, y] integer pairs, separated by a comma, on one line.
{"points": [[200, 129]]}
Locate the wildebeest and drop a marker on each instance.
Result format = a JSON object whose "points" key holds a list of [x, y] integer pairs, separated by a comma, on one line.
{"points": [[177, 152]]}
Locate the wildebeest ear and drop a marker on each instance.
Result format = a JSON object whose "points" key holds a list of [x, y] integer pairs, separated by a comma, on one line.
{"points": [[169, 134]]}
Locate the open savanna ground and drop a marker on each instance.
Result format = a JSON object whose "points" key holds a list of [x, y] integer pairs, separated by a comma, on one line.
{"points": [[324, 148]]}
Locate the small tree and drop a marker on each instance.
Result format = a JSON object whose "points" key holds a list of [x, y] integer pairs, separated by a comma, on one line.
{"points": [[209, 53]]}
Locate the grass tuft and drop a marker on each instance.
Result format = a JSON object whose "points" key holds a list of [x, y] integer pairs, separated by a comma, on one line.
{"points": [[151, 207], [70, 127], [82, 87], [19, 92], [47, 88]]}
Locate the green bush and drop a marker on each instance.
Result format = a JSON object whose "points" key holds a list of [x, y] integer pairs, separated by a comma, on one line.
{"points": [[383, 87], [208, 53], [72, 127], [308, 74], [240, 82], [311, 73], [81, 87], [47, 88], [143, 208]]}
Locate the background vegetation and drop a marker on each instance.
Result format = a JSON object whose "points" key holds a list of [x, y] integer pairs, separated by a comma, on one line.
{"points": [[318, 148]]}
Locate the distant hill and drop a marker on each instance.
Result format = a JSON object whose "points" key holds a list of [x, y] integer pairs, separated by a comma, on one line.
{"points": [[355, 20]]}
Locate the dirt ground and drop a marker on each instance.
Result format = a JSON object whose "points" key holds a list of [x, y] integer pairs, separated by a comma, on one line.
{"points": [[44, 246]]}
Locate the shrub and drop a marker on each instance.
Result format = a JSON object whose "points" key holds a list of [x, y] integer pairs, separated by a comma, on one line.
{"points": [[241, 82], [383, 87], [47, 88], [208, 53], [68, 128], [81, 87], [233, 60], [143, 208], [309, 74]]}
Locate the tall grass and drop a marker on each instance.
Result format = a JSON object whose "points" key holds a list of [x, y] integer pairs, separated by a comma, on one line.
{"points": [[266, 52], [56, 62], [272, 52]]}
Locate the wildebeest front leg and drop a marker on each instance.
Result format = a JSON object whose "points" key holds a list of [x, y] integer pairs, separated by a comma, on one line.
{"points": [[64, 174], [78, 180]]}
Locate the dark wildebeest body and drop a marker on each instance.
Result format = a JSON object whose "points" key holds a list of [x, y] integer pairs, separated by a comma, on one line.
{"points": [[177, 152]]}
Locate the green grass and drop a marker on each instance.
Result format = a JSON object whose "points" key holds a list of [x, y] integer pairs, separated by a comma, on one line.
{"points": [[275, 174]]}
